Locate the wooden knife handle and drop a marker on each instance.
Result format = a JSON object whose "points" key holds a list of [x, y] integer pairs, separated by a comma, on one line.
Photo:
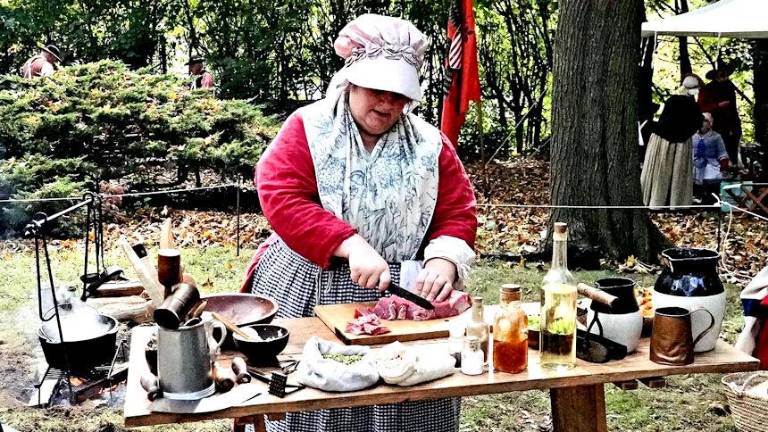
{"points": [[223, 377], [241, 370], [595, 294], [151, 384]]}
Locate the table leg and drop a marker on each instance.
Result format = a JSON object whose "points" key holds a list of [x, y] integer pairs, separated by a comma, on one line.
{"points": [[239, 424], [578, 409]]}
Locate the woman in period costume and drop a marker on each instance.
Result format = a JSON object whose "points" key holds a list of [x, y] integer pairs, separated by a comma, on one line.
{"points": [[361, 192], [667, 176]]}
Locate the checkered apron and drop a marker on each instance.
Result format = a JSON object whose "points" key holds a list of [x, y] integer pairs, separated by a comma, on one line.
{"points": [[298, 285]]}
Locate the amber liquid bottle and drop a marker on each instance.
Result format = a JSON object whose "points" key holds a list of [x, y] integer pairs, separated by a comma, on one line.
{"points": [[510, 332]]}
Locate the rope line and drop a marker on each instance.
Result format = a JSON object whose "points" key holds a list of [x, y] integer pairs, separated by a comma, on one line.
{"points": [[718, 204], [130, 194]]}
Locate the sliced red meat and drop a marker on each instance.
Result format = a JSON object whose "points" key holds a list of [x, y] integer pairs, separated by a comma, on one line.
{"points": [[366, 323], [394, 307]]}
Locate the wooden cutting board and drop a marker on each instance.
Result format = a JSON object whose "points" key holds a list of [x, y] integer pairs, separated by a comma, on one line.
{"points": [[337, 316]]}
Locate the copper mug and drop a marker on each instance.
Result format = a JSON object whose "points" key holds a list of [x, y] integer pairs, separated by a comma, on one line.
{"points": [[672, 339]]}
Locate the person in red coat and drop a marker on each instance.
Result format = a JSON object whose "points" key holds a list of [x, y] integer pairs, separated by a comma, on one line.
{"points": [[43, 64], [201, 78], [361, 193], [718, 97]]}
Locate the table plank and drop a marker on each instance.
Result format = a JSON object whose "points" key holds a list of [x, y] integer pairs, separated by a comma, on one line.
{"points": [[722, 359]]}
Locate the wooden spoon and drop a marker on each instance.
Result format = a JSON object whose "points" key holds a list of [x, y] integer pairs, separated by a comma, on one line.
{"points": [[232, 327]]}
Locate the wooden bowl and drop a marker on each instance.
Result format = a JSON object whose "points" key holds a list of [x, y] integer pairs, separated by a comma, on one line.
{"points": [[242, 309], [263, 352]]}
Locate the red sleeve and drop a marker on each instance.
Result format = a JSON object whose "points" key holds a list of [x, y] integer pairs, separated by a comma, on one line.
{"points": [[455, 212], [285, 180], [706, 101]]}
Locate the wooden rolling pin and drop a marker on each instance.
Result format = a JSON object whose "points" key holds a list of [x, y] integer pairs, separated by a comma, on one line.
{"points": [[152, 386], [595, 294], [241, 370], [223, 377], [232, 326]]}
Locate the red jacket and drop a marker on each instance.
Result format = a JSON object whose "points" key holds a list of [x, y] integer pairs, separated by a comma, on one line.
{"points": [[761, 342], [287, 186]]}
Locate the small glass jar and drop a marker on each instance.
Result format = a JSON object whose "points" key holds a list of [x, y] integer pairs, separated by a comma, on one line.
{"points": [[472, 357], [510, 332]]}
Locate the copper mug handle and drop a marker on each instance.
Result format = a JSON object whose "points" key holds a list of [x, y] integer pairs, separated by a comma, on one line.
{"points": [[708, 329]]}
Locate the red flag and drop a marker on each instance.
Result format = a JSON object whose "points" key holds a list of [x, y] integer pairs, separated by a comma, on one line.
{"points": [[462, 79]]}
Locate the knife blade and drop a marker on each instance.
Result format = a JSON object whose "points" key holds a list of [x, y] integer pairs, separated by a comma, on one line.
{"points": [[404, 293], [239, 395]]}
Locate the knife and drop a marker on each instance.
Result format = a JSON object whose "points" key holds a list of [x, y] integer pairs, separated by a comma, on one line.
{"points": [[404, 293], [239, 395]]}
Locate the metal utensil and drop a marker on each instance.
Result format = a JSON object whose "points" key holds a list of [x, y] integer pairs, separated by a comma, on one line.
{"points": [[404, 293], [219, 401], [192, 348]]}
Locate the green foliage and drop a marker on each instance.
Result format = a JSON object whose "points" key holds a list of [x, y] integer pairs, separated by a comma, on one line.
{"points": [[281, 53], [15, 216], [100, 121]]}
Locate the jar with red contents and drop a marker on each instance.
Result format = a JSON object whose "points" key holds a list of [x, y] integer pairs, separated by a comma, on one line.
{"points": [[510, 332]]}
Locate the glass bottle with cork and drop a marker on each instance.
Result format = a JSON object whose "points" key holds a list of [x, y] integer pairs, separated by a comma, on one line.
{"points": [[477, 327], [557, 341], [510, 332]]}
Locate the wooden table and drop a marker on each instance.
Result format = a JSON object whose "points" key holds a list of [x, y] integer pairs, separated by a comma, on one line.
{"points": [[577, 395]]}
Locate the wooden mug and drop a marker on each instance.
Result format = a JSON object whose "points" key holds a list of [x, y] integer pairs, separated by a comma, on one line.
{"points": [[672, 340]]}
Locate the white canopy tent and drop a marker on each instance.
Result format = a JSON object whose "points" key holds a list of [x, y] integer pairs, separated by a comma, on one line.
{"points": [[747, 19]]}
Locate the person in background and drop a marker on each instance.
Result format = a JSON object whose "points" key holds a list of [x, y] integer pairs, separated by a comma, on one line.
{"points": [[719, 98], [667, 176], [361, 193], [43, 64], [710, 159], [201, 78]]}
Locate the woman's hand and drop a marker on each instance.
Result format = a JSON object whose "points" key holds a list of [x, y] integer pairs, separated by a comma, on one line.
{"points": [[367, 268], [435, 282]]}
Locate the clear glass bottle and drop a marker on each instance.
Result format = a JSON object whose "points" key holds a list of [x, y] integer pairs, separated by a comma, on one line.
{"points": [[477, 327], [558, 272], [456, 330], [510, 332], [557, 341], [472, 357]]}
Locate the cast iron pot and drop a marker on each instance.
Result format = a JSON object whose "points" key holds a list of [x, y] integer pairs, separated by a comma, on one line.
{"points": [[82, 354]]}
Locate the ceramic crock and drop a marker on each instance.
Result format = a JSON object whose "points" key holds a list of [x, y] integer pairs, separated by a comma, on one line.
{"points": [[621, 323], [689, 280]]}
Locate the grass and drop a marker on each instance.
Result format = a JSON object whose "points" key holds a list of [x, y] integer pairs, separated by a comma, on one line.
{"points": [[216, 269], [682, 406]]}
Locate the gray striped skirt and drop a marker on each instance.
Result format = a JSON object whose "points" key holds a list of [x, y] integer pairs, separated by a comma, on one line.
{"points": [[298, 285]]}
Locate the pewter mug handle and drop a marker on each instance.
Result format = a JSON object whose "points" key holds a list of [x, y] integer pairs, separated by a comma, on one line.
{"points": [[709, 328]]}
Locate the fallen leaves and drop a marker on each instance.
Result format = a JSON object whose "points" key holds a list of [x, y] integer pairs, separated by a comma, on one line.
{"points": [[502, 230]]}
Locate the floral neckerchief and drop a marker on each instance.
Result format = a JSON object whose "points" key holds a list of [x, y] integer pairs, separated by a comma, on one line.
{"points": [[388, 195]]}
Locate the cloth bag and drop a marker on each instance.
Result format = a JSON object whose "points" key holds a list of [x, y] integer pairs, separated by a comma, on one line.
{"points": [[399, 365], [325, 374]]}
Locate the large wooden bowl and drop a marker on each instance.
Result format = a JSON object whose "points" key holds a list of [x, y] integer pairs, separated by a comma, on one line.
{"points": [[242, 309]]}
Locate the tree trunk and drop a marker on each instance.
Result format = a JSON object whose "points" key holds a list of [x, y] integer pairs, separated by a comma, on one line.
{"points": [[594, 129], [685, 58], [193, 45], [760, 55]]}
